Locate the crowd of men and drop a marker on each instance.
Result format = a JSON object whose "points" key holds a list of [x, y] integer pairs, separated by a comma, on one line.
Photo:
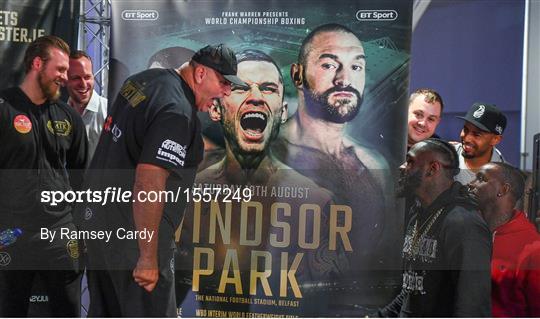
{"points": [[467, 251]]}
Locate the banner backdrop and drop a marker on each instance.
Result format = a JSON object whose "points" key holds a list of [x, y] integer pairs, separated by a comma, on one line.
{"points": [[315, 141], [23, 21]]}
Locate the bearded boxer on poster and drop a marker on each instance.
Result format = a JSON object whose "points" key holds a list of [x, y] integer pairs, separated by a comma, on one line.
{"points": [[330, 79]]}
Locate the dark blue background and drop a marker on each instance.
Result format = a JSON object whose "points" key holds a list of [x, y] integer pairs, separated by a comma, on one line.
{"points": [[472, 51]]}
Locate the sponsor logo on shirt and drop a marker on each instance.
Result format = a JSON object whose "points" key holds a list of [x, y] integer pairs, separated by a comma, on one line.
{"points": [[72, 247], [5, 259], [88, 213], [174, 147], [116, 132], [59, 128], [39, 298], [133, 93], [107, 124], [172, 152], [22, 124]]}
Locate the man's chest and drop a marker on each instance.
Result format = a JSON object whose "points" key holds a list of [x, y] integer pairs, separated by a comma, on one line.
{"points": [[27, 133]]}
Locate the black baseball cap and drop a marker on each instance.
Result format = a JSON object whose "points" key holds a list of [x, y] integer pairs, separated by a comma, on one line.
{"points": [[220, 58], [486, 117]]}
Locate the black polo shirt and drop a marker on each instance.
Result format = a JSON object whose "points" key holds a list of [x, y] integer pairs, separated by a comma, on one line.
{"points": [[153, 120]]}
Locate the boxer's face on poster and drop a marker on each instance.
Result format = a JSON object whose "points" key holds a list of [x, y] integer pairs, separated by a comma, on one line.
{"points": [[335, 76], [251, 115]]}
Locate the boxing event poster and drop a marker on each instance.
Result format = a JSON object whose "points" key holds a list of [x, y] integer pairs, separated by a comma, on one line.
{"points": [[21, 22], [293, 211]]}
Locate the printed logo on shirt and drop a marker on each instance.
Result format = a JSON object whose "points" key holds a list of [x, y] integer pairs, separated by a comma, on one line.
{"points": [[59, 128], [72, 247], [171, 152], [5, 259], [133, 93], [174, 147], [107, 124], [39, 298], [116, 132], [22, 124], [88, 213]]}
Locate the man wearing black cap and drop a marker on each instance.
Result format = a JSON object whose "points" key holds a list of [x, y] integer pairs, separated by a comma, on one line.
{"points": [[483, 129], [151, 142]]}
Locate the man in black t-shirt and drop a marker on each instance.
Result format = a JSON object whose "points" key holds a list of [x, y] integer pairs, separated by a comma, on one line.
{"points": [[151, 142], [44, 150]]}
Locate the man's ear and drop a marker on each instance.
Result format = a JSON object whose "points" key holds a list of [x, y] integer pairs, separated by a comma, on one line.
{"points": [[505, 189], [215, 111], [297, 74], [496, 139], [434, 167], [199, 73], [284, 112], [37, 63]]}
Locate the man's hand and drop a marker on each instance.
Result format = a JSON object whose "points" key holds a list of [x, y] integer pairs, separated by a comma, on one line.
{"points": [[147, 216], [146, 273]]}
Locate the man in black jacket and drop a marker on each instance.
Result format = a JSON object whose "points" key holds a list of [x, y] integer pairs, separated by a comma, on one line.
{"points": [[43, 150], [447, 246]]}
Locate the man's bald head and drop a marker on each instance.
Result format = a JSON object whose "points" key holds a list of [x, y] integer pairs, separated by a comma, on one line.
{"points": [[442, 152], [510, 175]]}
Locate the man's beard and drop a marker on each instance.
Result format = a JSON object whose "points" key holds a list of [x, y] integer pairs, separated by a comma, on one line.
{"points": [[467, 156], [318, 106], [408, 184], [46, 87]]}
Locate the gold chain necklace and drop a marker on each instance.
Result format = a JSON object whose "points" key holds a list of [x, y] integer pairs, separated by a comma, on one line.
{"points": [[418, 235]]}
